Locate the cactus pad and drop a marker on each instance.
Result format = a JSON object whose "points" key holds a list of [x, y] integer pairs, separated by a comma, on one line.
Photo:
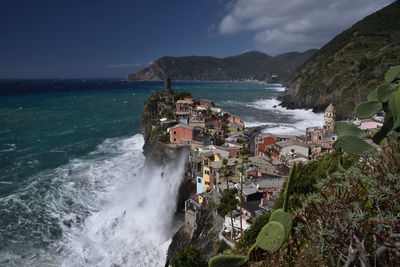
{"points": [[227, 261], [392, 74], [343, 129], [366, 110], [284, 218], [352, 145], [373, 95], [271, 237], [385, 91]]}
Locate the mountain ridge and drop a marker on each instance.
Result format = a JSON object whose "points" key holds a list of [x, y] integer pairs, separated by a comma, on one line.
{"points": [[250, 65]]}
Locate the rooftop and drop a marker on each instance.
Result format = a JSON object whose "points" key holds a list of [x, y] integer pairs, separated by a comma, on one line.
{"points": [[184, 102], [181, 125], [290, 143]]}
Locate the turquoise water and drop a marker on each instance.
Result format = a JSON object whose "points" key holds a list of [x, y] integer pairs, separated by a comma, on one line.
{"points": [[68, 151]]}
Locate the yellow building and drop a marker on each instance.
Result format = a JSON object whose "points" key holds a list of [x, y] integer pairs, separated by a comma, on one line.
{"points": [[210, 156]]}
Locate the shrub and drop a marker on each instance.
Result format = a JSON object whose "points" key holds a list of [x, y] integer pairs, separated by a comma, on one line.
{"points": [[189, 257], [353, 217], [220, 245]]}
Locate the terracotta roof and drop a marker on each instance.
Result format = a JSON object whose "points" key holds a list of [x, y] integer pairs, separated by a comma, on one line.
{"points": [[267, 142]]}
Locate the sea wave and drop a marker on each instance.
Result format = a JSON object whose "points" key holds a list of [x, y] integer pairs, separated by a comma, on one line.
{"points": [[105, 209], [303, 118]]}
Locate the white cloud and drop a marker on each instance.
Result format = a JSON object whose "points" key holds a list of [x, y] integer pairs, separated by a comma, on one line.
{"points": [[289, 25]]}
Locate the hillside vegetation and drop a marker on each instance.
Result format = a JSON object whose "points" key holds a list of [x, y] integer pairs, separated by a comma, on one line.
{"points": [[250, 65], [346, 69]]}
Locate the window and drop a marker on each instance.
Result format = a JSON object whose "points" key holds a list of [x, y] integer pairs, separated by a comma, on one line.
{"points": [[206, 172], [174, 132], [199, 180], [292, 150], [207, 183], [174, 139]]}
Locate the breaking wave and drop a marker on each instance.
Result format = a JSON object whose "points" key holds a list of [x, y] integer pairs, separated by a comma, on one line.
{"points": [[301, 118], [106, 209]]}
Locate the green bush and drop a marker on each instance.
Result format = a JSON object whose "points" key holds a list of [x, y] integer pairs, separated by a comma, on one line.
{"points": [[189, 257], [307, 175], [181, 95], [164, 138], [220, 245]]}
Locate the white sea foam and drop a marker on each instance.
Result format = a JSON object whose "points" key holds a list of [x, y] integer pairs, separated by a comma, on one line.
{"points": [[112, 210], [303, 118], [277, 87]]}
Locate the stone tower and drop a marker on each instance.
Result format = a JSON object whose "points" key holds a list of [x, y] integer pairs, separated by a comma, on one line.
{"points": [[329, 116]]}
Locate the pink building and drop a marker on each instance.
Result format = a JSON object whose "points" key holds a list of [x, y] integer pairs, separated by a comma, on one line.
{"points": [[370, 125], [181, 134], [235, 119]]}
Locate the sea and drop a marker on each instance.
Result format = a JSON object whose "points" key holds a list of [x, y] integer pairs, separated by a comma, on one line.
{"points": [[74, 187]]}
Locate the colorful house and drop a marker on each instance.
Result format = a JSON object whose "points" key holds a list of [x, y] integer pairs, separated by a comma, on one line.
{"points": [[209, 174], [261, 142], [181, 134], [199, 184], [236, 120]]}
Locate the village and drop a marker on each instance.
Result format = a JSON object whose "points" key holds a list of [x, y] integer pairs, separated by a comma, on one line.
{"points": [[220, 159]]}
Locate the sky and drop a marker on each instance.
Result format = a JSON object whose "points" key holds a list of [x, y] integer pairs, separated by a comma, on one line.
{"points": [[109, 39]]}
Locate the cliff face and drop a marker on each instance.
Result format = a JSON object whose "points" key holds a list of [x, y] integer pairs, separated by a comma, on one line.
{"points": [[203, 233], [346, 69], [251, 65]]}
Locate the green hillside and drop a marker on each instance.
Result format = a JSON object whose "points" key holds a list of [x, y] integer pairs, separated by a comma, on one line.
{"points": [[346, 69]]}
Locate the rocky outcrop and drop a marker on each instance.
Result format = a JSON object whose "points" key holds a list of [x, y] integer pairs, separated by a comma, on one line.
{"points": [[203, 234], [346, 69], [250, 65]]}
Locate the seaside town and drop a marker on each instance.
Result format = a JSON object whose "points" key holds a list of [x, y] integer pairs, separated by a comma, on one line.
{"points": [[223, 157]]}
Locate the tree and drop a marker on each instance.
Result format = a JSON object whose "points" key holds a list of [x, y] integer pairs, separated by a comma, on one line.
{"points": [[227, 173]]}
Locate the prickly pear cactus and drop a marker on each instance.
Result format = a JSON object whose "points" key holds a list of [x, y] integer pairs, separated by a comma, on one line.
{"points": [[271, 237], [284, 218], [392, 74], [227, 261]]}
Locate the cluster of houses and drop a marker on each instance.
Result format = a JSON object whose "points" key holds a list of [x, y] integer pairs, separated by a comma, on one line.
{"points": [[214, 136]]}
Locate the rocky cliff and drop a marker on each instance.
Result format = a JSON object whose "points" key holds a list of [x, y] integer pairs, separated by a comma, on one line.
{"points": [[250, 65], [346, 69]]}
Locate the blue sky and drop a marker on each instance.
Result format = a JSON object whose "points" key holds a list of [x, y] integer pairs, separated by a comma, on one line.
{"points": [[103, 38]]}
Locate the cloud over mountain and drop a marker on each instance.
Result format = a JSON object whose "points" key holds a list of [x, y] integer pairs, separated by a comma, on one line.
{"points": [[287, 25]]}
